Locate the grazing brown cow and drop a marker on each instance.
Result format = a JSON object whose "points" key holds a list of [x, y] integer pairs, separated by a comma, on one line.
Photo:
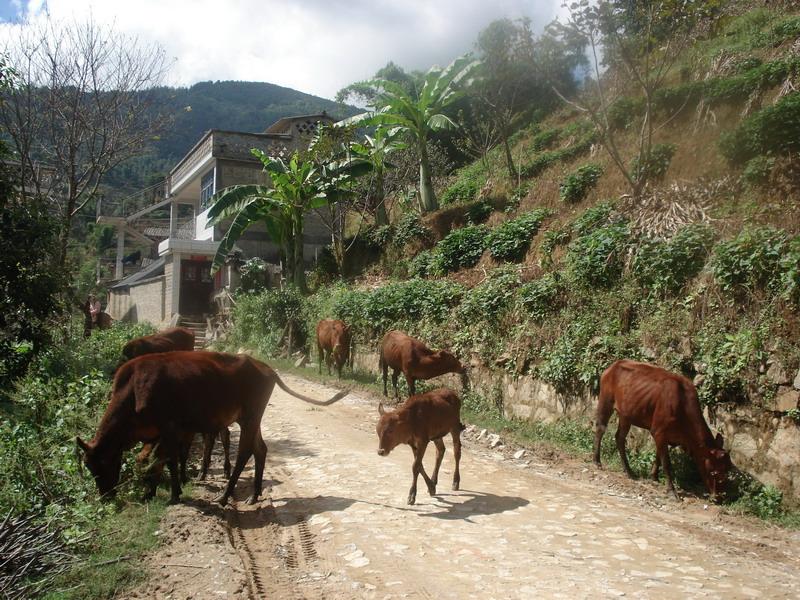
{"points": [[168, 396], [169, 340], [422, 419], [666, 404], [172, 340], [333, 344], [403, 353]]}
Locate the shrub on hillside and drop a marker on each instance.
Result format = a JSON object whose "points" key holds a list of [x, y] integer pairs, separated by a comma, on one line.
{"points": [[262, 319], [598, 257], [654, 167], [459, 249], [542, 297], [405, 304], [408, 228], [469, 181], [598, 215], [790, 271], [576, 185], [771, 131], [420, 265], [749, 261], [664, 266], [479, 211], [510, 240], [491, 299], [545, 139], [622, 111], [757, 170]]}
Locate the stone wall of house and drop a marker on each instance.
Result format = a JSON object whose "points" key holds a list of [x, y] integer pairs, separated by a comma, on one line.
{"points": [[148, 300], [763, 442], [119, 304]]}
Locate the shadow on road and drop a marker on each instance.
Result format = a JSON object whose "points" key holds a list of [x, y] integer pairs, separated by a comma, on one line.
{"points": [[286, 512], [477, 504]]}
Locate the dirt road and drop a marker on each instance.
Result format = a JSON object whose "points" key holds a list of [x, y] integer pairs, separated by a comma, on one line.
{"points": [[335, 525]]}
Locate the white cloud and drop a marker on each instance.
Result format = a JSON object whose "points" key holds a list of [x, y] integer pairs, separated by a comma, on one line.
{"points": [[316, 46]]}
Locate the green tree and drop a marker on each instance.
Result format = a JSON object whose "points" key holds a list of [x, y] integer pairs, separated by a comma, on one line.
{"points": [[296, 187], [375, 150], [419, 117]]}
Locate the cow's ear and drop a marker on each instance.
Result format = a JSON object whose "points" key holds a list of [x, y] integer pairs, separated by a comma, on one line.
{"points": [[381, 410], [81, 444], [719, 441]]}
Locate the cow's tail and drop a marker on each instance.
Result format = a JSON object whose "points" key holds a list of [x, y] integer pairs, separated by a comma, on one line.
{"points": [[338, 396]]}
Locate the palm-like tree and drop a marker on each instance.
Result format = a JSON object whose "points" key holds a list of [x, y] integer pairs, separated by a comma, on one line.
{"points": [[375, 150], [397, 109], [296, 187]]}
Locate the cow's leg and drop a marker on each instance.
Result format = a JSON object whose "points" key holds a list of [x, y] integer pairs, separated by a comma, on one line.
{"points": [[260, 452], [622, 433], [171, 445], [440, 450], [412, 388], [208, 448], [605, 406], [225, 438], [185, 449], [385, 369], [395, 376], [321, 353], [654, 470], [457, 455], [416, 469], [662, 451], [328, 359], [246, 441]]}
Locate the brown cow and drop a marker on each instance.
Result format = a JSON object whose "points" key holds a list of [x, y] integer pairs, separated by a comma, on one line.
{"points": [[403, 353], [168, 396], [422, 419], [333, 344], [172, 340], [665, 404], [169, 340]]}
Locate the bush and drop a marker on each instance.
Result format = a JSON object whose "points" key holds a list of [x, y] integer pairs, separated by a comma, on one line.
{"points": [[479, 211], [664, 267], [622, 112], [757, 170], [597, 258], [773, 130], [491, 299], [261, 320], [749, 261], [460, 248], [420, 265], [790, 271], [468, 183], [510, 241], [545, 139], [404, 305], [379, 237], [576, 185], [542, 297], [409, 228], [254, 275], [654, 167]]}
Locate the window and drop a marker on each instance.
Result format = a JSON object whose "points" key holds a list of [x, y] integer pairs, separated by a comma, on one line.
{"points": [[206, 189]]}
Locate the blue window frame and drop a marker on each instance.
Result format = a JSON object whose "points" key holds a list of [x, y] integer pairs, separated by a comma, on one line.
{"points": [[206, 189]]}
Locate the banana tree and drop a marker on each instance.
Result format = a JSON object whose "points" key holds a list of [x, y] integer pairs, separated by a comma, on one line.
{"points": [[296, 187], [418, 117], [375, 151]]}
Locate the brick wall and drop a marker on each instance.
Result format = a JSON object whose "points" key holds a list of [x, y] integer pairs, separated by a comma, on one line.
{"points": [[148, 300]]}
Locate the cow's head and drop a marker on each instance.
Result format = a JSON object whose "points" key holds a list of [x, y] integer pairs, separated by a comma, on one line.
{"points": [[103, 467], [715, 464], [392, 429], [453, 365]]}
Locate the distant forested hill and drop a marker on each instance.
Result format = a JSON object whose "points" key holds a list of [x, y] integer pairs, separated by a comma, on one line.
{"points": [[234, 105]]}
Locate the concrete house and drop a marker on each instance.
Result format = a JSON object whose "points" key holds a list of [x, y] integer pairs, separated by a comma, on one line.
{"points": [[174, 284]]}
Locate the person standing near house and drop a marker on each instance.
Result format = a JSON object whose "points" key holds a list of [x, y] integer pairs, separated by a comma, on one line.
{"points": [[94, 308]]}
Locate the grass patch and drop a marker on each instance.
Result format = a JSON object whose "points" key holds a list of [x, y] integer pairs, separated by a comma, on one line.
{"points": [[126, 533]]}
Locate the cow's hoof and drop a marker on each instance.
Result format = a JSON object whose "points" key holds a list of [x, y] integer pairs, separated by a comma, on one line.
{"points": [[412, 499], [252, 500], [456, 485], [223, 500], [175, 500], [432, 490]]}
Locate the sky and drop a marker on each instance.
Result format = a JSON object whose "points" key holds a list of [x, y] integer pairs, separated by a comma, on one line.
{"points": [[315, 46]]}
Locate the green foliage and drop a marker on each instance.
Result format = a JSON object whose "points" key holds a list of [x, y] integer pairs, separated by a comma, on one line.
{"points": [[420, 265], [790, 271], [460, 248], [409, 227], [576, 185], [664, 266], [585, 135], [254, 275], [262, 319], [757, 170], [755, 498], [654, 167], [469, 181], [380, 236], [622, 111], [542, 297], [510, 240], [773, 130], [491, 299], [592, 218], [479, 211], [597, 258], [789, 28], [545, 139], [729, 361], [749, 261]]}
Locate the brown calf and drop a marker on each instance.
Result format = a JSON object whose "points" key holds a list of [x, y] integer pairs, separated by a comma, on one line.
{"points": [[169, 340], [333, 344], [420, 420], [666, 404], [169, 396], [403, 353]]}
